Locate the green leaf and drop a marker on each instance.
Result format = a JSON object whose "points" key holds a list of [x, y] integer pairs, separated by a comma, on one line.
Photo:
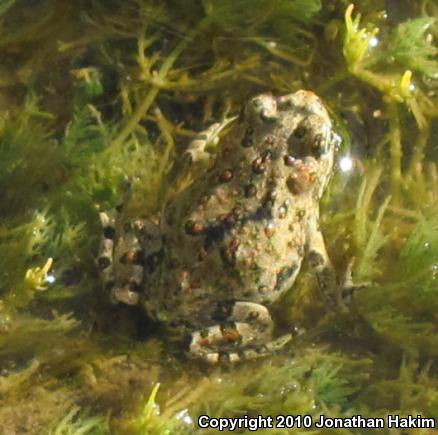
{"points": [[409, 46]]}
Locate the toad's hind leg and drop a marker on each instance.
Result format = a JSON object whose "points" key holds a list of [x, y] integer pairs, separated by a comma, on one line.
{"points": [[245, 333]]}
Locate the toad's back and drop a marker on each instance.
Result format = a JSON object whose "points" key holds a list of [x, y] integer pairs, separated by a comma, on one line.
{"points": [[240, 232], [233, 242]]}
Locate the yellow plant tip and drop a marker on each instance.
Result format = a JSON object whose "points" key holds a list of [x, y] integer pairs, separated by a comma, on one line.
{"points": [[48, 265], [35, 277], [406, 85], [348, 19], [356, 40], [149, 408]]}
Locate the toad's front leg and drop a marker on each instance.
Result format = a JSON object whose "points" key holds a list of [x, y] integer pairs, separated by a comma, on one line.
{"points": [[319, 261], [335, 292], [201, 149]]}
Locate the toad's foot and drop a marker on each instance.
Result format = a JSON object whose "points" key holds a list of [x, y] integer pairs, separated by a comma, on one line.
{"points": [[245, 334], [202, 147]]}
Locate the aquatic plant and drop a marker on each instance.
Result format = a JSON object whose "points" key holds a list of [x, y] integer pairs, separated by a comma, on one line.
{"points": [[75, 424]]}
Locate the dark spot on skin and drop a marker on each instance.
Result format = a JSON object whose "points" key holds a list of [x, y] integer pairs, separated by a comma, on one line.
{"points": [[202, 254], [133, 257], [226, 176], [228, 256], [284, 274], [223, 357], [226, 151], [252, 316], [269, 140], [250, 191], [213, 234], [103, 263], [315, 259], [226, 325], [152, 261], [247, 140], [294, 185], [288, 160], [267, 156], [109, 233], [258, 166], [194, 228], [301, 214], [304, 141], [229, 220], [261, 328], [282, 212], [203, 333], [269, 230], [285, 104], [261, 213], [271, 195]]}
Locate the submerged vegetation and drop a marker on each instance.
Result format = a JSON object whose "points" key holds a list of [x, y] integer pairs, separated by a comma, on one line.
{"points": [[94, 92]]}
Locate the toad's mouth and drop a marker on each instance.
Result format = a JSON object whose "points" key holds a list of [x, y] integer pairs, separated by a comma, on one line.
{"points": [[303, 175]]}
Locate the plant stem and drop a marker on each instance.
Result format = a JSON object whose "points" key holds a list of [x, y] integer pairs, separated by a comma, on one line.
{"points": [[419, 150], [396, 150], [150, 96]]}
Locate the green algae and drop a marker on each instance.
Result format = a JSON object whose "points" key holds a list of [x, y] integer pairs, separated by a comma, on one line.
{"points": [[95, 93]]}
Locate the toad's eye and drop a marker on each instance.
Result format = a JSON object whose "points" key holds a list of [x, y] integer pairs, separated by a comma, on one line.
{"points": [[263, 109], [257, 103], [306, 140]]}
